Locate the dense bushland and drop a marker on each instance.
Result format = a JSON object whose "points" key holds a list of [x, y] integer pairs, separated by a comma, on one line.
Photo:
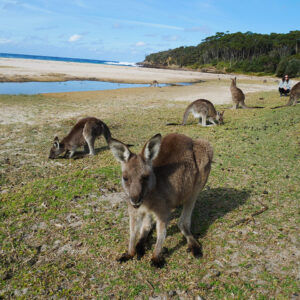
{"points": [[248, 52]]}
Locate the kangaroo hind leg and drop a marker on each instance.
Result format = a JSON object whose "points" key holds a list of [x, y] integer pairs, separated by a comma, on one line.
{"points": [[161, 228], [235, 105], [184, 225], [89, 138]]}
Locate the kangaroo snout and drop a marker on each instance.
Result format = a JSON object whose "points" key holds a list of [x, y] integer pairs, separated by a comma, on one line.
{"points": [[136, 201], [51, 156]]}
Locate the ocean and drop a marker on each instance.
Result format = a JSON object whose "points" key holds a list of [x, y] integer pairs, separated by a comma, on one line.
{"points": [[68, 59]]}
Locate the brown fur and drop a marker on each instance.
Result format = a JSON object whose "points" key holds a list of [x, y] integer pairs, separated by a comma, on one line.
{"points": [[203, 109], [168, 173], [294, 96], [154, 83], [238, 97], [83, 133]]}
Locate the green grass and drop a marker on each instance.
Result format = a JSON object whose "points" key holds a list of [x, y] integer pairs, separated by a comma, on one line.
{"points": [[60, 235]]}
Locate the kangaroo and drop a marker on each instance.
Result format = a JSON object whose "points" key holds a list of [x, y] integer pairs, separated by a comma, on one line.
{"points": [[169, 172], [203, 109], [238, 97], [84, 134], [154, 83], [294, 96]]}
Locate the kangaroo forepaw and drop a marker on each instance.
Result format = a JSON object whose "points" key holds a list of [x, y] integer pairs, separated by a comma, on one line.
{"points": [[195, 250], [158, 262], [124, 257]]}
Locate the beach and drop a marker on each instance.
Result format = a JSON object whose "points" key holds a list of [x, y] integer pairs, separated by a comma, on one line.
{"points": [[214, 87], [22, 70]]}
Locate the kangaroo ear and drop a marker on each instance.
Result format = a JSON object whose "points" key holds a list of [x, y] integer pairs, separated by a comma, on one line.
{"points": [[119, 150], [222, 113], [152, 147], [56, 143]]}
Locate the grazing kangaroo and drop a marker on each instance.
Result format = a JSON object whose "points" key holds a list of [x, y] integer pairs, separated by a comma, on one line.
{"points": [[169, 172], [84, 134], [203, 109], [294, 96], [238, 97], [154, 83]]}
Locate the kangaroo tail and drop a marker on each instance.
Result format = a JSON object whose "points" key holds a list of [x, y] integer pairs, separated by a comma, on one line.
{"points": [[252, 107], [278, 106], [106, 132], [290, 103]]}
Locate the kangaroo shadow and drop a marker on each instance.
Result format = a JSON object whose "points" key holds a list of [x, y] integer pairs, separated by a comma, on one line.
{"points": [[83, 153], [211, 205]]}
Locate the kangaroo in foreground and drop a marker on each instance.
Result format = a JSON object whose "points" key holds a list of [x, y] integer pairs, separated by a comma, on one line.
{"points": [[169, 172], [84, 134], [203, 109], [238, 97], [294, 96]]}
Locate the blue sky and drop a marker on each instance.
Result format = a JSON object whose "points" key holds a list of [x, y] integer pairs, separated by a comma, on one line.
{"points": [[130, 29]]}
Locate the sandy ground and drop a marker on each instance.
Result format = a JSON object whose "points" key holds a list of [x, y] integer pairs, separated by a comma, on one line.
{"points": [[19, 70], [214, 87], [74, 103]]}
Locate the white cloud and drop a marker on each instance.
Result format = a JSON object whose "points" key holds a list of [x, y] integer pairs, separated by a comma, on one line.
{"points": [[132, 22], [16, 4], [153, 25], [5, 41], [140, 44], [74, 38]]}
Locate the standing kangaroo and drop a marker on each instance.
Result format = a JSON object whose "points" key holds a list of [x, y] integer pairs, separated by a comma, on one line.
{"points": [[238, 97], [168, 172], [84, 134], [294, 96], [203, 109]]}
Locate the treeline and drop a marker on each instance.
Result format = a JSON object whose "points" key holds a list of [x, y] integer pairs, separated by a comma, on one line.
{"points": [[248, 52]]}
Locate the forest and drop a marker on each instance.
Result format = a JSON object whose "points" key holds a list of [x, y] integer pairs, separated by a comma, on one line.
{"points": [[260, 54]]}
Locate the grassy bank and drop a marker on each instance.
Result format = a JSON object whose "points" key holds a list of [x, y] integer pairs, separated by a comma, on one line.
{"points": [[63, 222]]}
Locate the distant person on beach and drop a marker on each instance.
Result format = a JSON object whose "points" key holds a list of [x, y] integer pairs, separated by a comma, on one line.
{"points": [[284, 86]]}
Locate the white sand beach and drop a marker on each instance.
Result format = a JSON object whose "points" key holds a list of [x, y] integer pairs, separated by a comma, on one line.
{"points": [[214, 87], [20, 70]]}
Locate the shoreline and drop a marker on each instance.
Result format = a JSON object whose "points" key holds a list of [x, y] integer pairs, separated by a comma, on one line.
{"points": [[214, 87], [28, 70]]}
